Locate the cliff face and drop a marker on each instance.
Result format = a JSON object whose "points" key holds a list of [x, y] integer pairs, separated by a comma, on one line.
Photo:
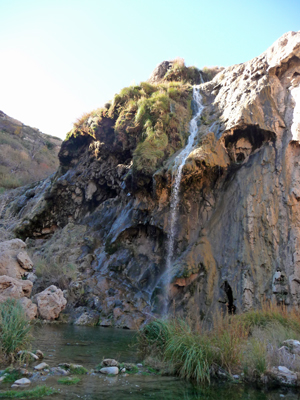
{"points": [[238, 228]]}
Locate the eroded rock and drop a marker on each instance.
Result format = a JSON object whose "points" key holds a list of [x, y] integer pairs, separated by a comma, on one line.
{"points": [[10, 264], [50, 303], [14, 288]]}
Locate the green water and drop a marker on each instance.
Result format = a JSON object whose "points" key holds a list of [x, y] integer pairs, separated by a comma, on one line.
{"points": [[88, 346]]}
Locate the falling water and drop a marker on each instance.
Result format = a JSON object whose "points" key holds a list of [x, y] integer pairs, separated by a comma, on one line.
{"points": [[177, 171]]}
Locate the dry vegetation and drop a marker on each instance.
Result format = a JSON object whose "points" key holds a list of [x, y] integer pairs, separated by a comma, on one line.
{"points": [[26, 158], [247, 343]]}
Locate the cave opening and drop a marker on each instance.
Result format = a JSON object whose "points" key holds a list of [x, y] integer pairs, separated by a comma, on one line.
{"points": [[228, 290], [242, 142]]}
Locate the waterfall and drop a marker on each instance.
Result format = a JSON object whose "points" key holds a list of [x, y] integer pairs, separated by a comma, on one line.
{"points": [[177, 172]]}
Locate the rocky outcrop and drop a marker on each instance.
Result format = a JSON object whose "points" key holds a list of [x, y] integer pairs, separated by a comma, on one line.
{"points": [[50, 303], [14, 261], [29, 307], [11, 288], [238, 228], [14, 288]]}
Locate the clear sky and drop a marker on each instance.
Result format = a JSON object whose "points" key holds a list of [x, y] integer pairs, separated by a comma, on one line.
{"points": [[61, 58]]}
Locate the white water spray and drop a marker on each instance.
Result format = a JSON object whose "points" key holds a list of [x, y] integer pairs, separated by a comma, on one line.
{"points": [[177, 171]]}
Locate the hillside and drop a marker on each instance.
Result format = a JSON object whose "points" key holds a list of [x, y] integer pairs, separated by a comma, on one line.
{"points": [[26, 154]]}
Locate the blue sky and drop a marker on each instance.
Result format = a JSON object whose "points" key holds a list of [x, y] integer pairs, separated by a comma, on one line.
{"points": [[59, 59]]}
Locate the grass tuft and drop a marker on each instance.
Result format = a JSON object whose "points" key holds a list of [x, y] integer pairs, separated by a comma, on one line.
{"points": [[69, 381], [36, 393], [14, 328], [77, 370], [233, 343]]}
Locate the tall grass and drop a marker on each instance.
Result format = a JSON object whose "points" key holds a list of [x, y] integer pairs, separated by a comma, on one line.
{"points": [[14, 329], [248, 342]]}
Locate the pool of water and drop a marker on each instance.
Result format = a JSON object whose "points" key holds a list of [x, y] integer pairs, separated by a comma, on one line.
{"points": [[89, 345]]}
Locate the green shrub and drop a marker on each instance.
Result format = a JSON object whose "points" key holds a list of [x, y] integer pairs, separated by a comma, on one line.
{"points": [[153, 337], [152, 119], [14, 328]]}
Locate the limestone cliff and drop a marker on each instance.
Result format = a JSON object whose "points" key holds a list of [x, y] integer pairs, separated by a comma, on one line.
{"points": [[239, 214]]}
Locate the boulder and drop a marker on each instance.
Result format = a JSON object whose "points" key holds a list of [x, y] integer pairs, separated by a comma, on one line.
{"points": [[293, 346], [88, 318], [14, 288], [41, 366], [9, 263], [29, 307], [29, 353], [23, 382], [110, 362], [50, 302], [59, 371], [40, 354], [109, 370], [160, 71], [282, 376]]}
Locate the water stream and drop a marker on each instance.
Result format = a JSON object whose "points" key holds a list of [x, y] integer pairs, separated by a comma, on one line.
{"points": [[177, 173], [89, 345]]}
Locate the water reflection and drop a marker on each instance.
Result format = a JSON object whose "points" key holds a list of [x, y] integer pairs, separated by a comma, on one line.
{"points": [[88, 346]]}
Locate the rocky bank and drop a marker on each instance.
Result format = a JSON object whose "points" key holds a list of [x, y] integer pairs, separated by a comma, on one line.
{"points": [[238, 228]]}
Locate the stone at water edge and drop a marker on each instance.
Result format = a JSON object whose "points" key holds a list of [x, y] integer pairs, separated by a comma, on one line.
{"points": [[35, 357], [21, 383], [110, 362], [109, 370], [283, 376], [50, 302], [40, 354], [59, 371], [88, 318], [41, 366]]}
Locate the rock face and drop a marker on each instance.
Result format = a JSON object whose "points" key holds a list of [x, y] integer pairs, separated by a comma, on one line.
{"points": [[50, 303], [14, 261], [14, 288], [238, 228]]}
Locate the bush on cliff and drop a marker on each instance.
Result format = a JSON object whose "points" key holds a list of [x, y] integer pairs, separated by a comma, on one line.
{"points": [[14, 329], [233, 343], [152, 121]]}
